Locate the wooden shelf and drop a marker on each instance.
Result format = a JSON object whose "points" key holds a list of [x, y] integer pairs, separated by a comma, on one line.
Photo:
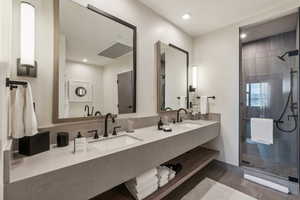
{"points": [[192, 162]]}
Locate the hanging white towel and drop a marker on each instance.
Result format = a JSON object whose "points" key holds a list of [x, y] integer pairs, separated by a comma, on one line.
{"points": [[17, 108], [262, 130], [204, 105], [23, 118], [30, 121]]}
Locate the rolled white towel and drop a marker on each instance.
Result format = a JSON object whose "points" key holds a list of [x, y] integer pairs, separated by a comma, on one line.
{"points": [[163, 171], [172, 174]]}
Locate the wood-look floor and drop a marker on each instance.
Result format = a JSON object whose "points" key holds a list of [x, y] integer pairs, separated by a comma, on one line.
{"points": [[231, 177]]}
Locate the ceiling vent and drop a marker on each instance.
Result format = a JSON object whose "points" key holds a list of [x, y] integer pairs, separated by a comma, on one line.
{"points": [[115, 51]]}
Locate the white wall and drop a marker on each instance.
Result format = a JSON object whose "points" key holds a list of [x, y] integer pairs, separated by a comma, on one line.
{"points": [[150, 29], [43, 85], [5, 55], [110, 76], [89, 73], [217, 55]]}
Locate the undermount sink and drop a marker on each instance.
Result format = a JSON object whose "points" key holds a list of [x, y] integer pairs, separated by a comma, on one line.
{"points": [[189, 125], [115, 142]]}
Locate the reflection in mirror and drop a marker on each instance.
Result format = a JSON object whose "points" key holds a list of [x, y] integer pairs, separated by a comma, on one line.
{"points": [[96, 63], [80, 91], [173, 78]]}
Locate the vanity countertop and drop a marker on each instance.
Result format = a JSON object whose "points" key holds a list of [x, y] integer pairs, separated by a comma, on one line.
{"points": [[58, 158]]}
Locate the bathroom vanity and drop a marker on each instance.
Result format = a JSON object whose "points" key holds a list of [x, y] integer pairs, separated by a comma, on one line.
{"points": [[59, 173]]}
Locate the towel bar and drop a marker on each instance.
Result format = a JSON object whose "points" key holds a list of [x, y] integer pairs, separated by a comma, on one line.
{"points": [[211, 97], [14, 84]]}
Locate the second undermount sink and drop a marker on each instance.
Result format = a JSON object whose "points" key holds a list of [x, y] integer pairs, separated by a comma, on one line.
{"points": [[113, 143], [189, 125]]}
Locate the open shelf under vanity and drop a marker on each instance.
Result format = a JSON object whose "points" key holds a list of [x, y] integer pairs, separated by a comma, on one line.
{"points": [[191, 162]]}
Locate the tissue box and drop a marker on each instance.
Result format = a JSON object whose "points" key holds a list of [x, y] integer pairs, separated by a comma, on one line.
{"points": [[35, 144]]}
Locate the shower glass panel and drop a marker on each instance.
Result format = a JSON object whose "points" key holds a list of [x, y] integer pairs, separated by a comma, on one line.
{"points": [[269, 90]]}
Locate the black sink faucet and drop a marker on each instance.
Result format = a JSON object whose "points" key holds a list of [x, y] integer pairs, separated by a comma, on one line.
{"points": [[178, 112], [87, 110], [105, 125]]}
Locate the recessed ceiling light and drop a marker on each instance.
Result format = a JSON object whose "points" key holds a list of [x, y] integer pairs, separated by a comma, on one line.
{"points": [[243, 35], [186, 16], [84, 60]]}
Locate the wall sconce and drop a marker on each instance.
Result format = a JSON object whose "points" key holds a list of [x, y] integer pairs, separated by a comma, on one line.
{"points": [[26, 64], [194, 85]]}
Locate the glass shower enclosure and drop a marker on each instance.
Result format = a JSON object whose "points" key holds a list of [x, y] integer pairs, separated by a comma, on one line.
{"points": [[269, 89]]}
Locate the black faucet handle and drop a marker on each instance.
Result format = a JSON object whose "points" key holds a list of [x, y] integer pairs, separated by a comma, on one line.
{"points": [[115, 130], [96, 136], [114, 116]]}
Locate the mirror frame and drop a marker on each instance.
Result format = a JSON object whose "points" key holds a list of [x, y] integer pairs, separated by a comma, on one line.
{"points": [[55, 109], [158, 50]]}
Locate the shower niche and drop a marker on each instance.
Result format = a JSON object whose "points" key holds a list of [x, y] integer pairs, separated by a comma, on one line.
{"points": [[269, 90]]}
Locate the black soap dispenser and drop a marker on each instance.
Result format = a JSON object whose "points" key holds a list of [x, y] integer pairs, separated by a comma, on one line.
{"points": [[160, 124], [79, 135]]}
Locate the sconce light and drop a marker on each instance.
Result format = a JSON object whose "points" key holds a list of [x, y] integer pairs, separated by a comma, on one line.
{"points": [[26, 64], [194, 85]]}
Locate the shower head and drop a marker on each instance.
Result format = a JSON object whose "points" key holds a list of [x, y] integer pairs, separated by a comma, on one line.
{"points": [[282, 57], [289, 53]]}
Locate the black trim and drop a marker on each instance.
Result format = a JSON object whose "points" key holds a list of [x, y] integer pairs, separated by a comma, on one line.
{"points": [[187, 73], [134, 28], [298, 132]]}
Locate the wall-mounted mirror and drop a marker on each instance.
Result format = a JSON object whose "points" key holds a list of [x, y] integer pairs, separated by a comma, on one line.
{"points": [[172, 77], [95, 63]]}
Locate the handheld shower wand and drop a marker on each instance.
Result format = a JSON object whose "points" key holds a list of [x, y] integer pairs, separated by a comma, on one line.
{"points": [[290, 99]]}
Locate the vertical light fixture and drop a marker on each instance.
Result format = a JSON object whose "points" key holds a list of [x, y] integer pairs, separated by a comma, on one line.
{"points": [[27, 34], [193, 86], [27, 64]]}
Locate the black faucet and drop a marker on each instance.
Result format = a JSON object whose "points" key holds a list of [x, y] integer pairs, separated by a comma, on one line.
{"points": [[105, 125], [178, 111], [87, 109]]}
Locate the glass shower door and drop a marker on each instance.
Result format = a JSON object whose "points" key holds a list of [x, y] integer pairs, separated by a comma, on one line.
{"points": [[270, 90]]}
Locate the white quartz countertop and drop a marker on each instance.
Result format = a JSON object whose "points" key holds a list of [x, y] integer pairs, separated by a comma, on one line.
{"points": [[58, 158]]}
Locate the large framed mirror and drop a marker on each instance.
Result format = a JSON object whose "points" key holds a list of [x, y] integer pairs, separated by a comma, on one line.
{"points": [[94, 63], [172, 77]]}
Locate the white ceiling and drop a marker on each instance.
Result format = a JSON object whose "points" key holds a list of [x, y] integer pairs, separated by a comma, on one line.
{"points": [[209, 15], [88, 33], [273, 27]]}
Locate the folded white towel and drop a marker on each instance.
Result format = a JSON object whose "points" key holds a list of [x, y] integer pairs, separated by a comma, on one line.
{"points": [[204, 105], [145, 177], [23, 118], [262, 130], [144, 193], [141, 187], [163, 182]]}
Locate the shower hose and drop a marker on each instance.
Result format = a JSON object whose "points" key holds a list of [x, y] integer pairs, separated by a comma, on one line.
{"points": [[279, 121]]}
